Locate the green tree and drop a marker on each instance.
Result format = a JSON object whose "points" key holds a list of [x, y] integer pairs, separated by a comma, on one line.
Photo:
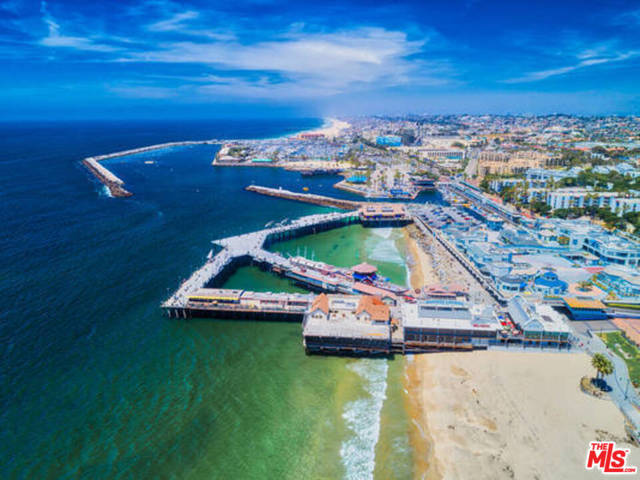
{"points": [[602, 365], [584, 285]]}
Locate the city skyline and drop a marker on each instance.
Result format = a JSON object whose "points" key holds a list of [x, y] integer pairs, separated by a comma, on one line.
{"points": [[68, 59]]}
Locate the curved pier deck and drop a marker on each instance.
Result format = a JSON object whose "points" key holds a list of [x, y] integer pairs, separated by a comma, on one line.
{"points": [[253, 245]]}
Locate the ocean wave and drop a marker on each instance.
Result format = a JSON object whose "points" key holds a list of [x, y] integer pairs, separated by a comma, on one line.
{"points": [[384, 250], [382, 232], [363, 419], [104, 191]]}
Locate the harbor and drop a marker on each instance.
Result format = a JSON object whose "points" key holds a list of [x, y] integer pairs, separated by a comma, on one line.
{"points": [[113, 182]]}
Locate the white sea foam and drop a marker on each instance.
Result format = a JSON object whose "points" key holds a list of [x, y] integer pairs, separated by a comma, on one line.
{"points": [[105, 191], [363, 419], [384, 250], [382, 232]]}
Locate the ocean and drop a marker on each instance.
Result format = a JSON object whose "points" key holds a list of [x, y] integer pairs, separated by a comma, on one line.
{"points": [[97, 383]]}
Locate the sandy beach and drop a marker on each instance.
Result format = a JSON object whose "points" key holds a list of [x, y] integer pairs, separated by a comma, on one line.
{"points": [[421, 263], [501, 415], [494, 415], [332, 128]]}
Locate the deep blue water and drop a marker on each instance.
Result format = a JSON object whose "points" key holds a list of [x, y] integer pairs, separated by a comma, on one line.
{"points": [[94, 381]]}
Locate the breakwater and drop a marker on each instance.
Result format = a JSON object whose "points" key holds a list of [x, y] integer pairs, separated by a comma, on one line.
{"points": [[113, 182], [306, 197]]}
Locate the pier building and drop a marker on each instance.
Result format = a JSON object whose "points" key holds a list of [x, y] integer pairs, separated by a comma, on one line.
{"points": [[347, 324], [447, 324]]}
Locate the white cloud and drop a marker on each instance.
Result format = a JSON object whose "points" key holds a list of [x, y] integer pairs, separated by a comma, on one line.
{"points": [[293, 63], [176, 22], [308, 63], [599, 55], [56, 39]]}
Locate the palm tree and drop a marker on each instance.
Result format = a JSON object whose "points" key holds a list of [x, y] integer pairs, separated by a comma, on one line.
{"points": [[584, 285], [602, 365]]}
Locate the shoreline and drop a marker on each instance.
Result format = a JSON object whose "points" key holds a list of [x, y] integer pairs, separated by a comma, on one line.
{"points": [[501, 415], [331, 128], [425, 465]]}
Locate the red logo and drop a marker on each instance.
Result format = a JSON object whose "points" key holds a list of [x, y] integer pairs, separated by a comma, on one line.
{"points": [[608, 458]]}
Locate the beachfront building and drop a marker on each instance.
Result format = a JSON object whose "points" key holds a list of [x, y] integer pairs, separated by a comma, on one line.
{"points": [[622, 281], [347, 324], [448, 324], [585, 308], [510, 285], [606, 246], [540, 324]]}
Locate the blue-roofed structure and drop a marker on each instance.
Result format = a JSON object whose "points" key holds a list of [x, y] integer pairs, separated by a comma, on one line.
{"points": [[549, 284]]}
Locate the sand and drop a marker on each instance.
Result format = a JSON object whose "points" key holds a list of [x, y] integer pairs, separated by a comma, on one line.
{"points": [[420, 263], [499, 414], [332, 129], [495, 414]]}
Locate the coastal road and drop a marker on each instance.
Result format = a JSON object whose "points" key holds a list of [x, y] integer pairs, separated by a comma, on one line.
{"points": [[622, 391]]}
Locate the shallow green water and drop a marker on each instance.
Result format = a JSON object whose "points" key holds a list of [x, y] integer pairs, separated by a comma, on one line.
{"points": [[360, 418]]}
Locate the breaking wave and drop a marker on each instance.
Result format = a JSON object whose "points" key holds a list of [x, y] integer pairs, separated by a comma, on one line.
{"points": [[362, 417]]}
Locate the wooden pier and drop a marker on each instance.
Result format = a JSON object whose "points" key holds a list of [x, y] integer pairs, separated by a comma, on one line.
{"points": [[252, 247]]}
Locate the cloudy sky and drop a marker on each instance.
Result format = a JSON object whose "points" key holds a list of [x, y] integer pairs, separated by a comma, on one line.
{"points": [[66, 58]]}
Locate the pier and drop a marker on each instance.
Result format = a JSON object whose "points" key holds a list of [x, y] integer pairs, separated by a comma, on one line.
{"points": [[115, 184], [251, 247]]}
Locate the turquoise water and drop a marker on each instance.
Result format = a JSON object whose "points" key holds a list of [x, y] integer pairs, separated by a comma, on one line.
{"points": [[96, 382]]}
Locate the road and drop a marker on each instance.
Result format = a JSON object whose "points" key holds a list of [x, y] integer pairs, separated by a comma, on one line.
{"points": [[622, 391]]}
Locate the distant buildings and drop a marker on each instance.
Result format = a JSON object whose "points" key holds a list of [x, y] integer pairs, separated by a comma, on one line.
{"points": [[502, 163], [389, 141]]}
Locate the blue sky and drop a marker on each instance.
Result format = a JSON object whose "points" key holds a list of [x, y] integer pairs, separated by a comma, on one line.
{"points": [[68, 58]]}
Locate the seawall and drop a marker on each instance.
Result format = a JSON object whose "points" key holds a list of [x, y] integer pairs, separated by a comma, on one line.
{"points": [[306, 197], [115, 184]]}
